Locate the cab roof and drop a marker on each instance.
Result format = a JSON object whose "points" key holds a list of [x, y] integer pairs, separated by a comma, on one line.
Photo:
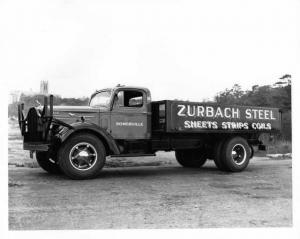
{"points": [[120, 87]]}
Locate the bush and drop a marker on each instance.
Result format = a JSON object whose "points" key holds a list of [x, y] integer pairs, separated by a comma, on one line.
{"points": [[279, 147]]}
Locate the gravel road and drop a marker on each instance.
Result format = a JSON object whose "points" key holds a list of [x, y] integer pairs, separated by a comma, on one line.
{"points": [[165, 196]]}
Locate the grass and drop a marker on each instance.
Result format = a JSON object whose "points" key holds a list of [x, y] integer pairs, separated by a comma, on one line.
{"points": [[277, 147], [280, 147]]}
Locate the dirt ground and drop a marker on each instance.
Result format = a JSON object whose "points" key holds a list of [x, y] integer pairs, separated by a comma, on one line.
{"points": [[153, 192], [153, 197]]}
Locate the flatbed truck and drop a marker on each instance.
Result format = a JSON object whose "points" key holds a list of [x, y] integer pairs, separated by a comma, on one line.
{"points": [[124, 122]]}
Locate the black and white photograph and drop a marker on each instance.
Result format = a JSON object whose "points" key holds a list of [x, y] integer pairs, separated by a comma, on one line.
{"points": [[153, 115]]}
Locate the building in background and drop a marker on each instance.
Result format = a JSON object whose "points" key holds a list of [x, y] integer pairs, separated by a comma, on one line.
{"points": [[14, 96], [44, 87]]}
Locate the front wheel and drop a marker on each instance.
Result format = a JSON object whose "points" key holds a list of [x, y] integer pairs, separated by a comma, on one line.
{"points": [[47, 163], [191, 158], [82, 156]]}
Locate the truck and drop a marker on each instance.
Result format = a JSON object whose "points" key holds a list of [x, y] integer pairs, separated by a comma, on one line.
{"points": [[123, 122]]}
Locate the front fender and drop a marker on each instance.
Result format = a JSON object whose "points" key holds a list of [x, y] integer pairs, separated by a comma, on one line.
{"points": [[77, 127]]}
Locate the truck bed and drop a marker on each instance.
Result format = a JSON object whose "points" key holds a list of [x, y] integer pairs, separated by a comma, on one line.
{"points": [[171, 116]]}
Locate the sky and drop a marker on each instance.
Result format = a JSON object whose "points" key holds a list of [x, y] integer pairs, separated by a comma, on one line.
{"points": [[188, 50]]}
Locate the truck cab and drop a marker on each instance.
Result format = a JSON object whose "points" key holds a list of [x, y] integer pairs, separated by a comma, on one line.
{"points": [[127, 113]]}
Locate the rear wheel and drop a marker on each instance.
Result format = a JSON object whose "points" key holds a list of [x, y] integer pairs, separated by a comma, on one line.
{"points": [[192, 158], [252, 152], [236, 154], [47, 163], [218, 157], [82, 156]]}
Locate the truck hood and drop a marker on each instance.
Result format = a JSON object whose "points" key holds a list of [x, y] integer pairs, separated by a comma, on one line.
{"points": [[59, 109], [73, 114]]}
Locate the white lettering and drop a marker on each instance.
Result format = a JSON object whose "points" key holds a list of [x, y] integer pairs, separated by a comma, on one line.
{"points": [[260, 114], [200, 124], [187, 124], [261, 126], [227, 115], [235, 113], [248, 114], [272, 117], [266, 115], [209, 111], [180, 112], [193, 110], [139, 124], [235, 125], [255, 113], [189, 113], [200, 111], [219, 113]]}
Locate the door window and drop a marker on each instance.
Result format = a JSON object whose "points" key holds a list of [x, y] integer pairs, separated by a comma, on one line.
{"points": [[128, 98]]}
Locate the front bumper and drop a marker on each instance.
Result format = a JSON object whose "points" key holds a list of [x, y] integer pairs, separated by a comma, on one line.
{"points": [[36, 146]]}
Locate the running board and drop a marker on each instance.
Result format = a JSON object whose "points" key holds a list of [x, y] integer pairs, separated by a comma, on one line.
{"points": [[133, 155]]}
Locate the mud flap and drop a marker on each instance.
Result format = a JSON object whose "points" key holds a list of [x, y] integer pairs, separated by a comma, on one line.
{"points": [[31, 154], [262, 147]]}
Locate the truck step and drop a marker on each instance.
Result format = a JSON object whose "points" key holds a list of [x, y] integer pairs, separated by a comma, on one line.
{"points": [[133, 155]]}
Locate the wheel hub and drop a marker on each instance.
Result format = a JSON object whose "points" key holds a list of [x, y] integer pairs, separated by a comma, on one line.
{"points": [[238, 154], [83, 156], [83, 153]]}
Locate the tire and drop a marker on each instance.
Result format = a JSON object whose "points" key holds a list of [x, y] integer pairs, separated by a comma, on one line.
{"points": [[252, 152], [46, 163], [236, 154], [218, 155], [192, 158], [82, 156]]}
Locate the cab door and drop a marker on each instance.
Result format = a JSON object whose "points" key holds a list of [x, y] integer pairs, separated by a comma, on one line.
{"points": [[130, 115]]}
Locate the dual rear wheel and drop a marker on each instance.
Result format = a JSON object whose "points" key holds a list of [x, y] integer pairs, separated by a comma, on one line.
{"points": [[232, 154], [229, 154], [191, 158]]}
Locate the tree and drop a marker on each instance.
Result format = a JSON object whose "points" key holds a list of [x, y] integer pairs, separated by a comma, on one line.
{"points": [[264, 96], [230, 96]]}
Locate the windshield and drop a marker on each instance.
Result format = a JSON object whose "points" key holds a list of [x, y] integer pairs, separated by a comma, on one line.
{"points": [[100, 99]]}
